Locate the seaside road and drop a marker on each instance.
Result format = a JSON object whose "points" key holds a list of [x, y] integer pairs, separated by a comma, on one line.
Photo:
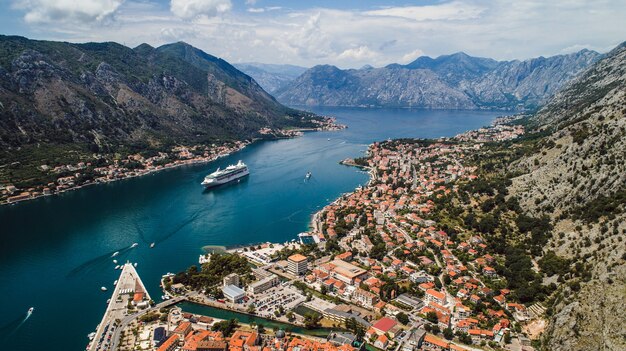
{"points": [[115, 339]]}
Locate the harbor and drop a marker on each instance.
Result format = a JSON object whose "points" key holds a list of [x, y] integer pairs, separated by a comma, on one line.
{"points": [[129, 291], [72, 245]]}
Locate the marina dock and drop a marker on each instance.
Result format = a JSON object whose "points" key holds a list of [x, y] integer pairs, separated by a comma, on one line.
{"points": [[129, 289]]}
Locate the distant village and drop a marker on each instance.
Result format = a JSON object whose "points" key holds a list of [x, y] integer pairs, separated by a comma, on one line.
{"points": [[372, 272], [74, 176], [104, 169]]}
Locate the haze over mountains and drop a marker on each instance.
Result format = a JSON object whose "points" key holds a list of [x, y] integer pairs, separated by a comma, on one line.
{"points": [[456, 81], [271, 77]]}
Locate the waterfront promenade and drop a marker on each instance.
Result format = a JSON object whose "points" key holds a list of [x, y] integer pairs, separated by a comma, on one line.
{"points": [[129, 287]]}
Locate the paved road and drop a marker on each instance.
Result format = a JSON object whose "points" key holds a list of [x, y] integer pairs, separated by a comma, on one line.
{"points": [[116, 309]]}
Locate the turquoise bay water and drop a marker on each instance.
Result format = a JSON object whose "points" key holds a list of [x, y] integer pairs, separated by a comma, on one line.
{"points": [[56, 251]]}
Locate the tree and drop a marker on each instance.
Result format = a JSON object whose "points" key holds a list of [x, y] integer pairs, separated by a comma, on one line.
{"points": [[251, 309], [226, 327], [402, 318], [464, 338], [323, 289], [356, 328], [448, 334], [312, 321], [432, 317], [507, 338]]}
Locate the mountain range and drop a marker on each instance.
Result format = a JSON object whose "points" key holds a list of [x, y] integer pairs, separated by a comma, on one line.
{"points": [[456, 81], [105, 95], [271, 77]]}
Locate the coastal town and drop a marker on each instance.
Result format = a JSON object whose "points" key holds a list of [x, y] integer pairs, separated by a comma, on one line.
{"points": [[100, 168], [379, 270]]}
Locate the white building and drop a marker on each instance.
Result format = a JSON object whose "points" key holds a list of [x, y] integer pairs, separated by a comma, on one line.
{"points": [[263, 284], [233, 293], [297, 264]]}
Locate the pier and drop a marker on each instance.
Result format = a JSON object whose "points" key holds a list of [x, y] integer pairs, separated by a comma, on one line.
{"points": [[128, 290]]}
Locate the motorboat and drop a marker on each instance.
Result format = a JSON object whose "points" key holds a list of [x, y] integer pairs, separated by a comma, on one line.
{"points": [[103, 288]]}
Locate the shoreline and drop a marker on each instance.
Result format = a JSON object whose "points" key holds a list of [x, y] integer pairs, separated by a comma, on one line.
{"points": [[149, 172], [288, 134]]}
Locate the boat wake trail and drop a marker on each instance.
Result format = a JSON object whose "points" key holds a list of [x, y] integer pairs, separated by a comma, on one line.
{"points": [[180, 226], [142, 234], [98, 261], [13, 326]]}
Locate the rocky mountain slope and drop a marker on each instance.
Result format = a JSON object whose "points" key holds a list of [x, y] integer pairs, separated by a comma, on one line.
{"points": [[577, 176], [270, 77], [457, 81], [105, 96]]}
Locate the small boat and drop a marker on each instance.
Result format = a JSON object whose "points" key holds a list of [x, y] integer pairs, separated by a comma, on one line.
{"points": [[152, 245], [134, 245], [103, 288], [115, 261], [328, 139], [91, 335], [115, 253], [108, 301], [308, 175], [115, 282], [117, 267], [135, 264], [30, 311]]}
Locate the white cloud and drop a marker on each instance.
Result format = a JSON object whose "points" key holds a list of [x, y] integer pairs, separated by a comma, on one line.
{"points": [[357, 54], [190, 9], [411, 56], [177, 34], [451, 11], [55, 11], [500, 29]]}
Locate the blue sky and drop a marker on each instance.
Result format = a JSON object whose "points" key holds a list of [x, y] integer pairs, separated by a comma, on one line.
{"points": [[346, 33]]}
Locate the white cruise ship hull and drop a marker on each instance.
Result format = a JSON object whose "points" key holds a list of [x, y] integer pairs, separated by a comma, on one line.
{"points": [[213, 182]]}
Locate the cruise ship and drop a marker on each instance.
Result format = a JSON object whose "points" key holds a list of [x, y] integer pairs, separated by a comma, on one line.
{"points": [[230, 173]]}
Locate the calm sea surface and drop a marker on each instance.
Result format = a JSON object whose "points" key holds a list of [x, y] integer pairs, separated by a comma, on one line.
{"points": [[56, 252]]}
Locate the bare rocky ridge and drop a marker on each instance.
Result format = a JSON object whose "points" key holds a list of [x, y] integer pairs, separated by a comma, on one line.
{"points": [[106, 96], [578, 177], [457, 81]]}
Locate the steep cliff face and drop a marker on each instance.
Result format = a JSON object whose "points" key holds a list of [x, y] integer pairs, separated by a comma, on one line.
{"points": [[392, 87], [578, 177], [528, 83], [457, 81], [106, 96]]}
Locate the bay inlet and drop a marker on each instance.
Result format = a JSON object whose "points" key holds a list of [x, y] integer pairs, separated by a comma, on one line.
{"points": [[56, 251]]}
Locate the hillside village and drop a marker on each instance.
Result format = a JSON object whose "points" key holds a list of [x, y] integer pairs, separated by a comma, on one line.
{"points": [[379, 266]]}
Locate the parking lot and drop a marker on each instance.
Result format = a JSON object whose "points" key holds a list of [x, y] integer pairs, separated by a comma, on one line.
{"points": [[279, 296]]}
